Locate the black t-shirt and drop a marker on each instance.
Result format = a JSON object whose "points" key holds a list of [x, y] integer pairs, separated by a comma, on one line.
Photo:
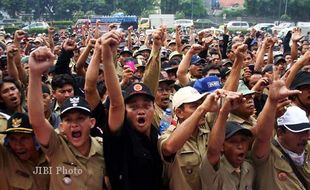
{"points": [[132, 159], [99, 113]]}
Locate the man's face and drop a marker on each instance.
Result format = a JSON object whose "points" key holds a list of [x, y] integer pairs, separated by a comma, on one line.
{"points": [[253, 80], [46, 101], [288, 59], [305, 48], [139, 72], [140, 112], [247, 108], [216, 59], [214, 72], [236, 148], [247, 60], [76, 126], [162, 97], [281, 65], [22, 145], [61, 94], [145, 54], [123, 56], [10, 95], [295, 142], [172, 47], [187, 109], [196, 70]]}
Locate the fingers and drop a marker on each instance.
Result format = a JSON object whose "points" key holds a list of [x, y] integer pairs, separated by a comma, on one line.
{"points": [[42, 54]]}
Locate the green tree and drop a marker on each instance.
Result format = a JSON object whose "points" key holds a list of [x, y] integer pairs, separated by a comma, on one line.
{"points": [[190, 8]]}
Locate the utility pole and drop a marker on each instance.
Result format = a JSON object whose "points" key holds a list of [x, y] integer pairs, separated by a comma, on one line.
{"points": [[285, 7], [192, 10]]}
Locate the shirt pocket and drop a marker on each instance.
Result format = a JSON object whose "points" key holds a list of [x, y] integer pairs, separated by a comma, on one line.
{"points": [[189, 163], [20, 181]]}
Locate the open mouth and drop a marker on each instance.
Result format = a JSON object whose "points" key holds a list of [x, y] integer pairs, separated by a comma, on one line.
{"points": [[241, 156], [165, 100], [13, 99], [76, 134], [141, 120]]}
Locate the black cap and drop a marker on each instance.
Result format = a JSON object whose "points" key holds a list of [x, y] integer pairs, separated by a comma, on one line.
{"points": [[18, 123], [277, 59], [233, 127], [138, 88], [164, 78], [76, 102], [301, 78]]}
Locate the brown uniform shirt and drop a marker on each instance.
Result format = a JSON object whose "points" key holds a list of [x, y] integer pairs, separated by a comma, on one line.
{"points": [[16, 174], [183, 168], [70, 169], [275, 172], [225, 177], [249, 123]]}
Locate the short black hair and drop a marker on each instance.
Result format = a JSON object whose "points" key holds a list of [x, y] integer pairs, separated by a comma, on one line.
{"points": [[61, 80]]}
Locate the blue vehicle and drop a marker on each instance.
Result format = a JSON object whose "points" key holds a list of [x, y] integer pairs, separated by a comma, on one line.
{"points": [[123, 21]]}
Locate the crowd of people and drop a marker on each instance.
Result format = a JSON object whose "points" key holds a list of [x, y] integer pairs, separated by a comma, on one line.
{"points": [[84, 110]]}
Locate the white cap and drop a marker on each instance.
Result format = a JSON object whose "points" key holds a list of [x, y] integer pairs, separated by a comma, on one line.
{"points": [[186, 95], [294, 119]]}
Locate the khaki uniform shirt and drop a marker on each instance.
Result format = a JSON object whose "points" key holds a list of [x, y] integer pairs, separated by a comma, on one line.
{"points": [[249, 123], [157, 116], [70, 169], [275, 172], [17, 175], [3, 124], [225, 177], [182, 170]]}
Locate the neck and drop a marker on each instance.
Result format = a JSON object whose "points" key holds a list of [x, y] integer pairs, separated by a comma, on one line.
{"points": [[35, 157], [84, 149]]}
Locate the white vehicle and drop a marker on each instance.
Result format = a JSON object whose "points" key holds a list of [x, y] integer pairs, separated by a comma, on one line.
{"points": [[36, 25], [184, 23], [212, 30], [305, 27], [262, 26], [156, 20], [282, 25], [238, 26]]}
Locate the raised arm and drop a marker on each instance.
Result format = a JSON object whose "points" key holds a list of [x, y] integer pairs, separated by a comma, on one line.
{"points": [[18, 36], [50, 33], [304, 60], [260, 55], [266, 120], [129, 41], [232, 81], [91, 92], [178, 38], [83, 57], [185, 64], [296, 36], [109, 43], [152, 71], [12, 70], [217, 135], [39, 62], [183, 132]]}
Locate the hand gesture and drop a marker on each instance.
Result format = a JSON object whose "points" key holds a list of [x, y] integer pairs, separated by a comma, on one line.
{"points": [[211, 102], [51, 30], [296, 34], [91, 43], [240, 50], [19, 35], [158, 37], [231, 101], [112, 26], [41, 60], [279, 90], [178, 30], [225, 29], [261, 84], [11, 51], [69, 45], [195, 48], [253, 33], [130, 29], [97, 23], [110, 42], [127, 74]]}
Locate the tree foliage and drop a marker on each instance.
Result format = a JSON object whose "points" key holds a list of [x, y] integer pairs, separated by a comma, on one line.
{"points": [[296, 9], [189, 8]]}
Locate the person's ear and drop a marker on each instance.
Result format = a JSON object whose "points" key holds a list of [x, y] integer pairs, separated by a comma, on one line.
{"points": [[93, 122], [179, 113]]}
